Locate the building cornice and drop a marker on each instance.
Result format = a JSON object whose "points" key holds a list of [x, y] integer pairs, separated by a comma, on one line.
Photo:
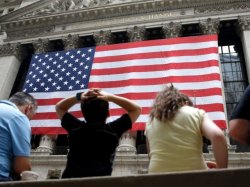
{"points": [[41, 25]]}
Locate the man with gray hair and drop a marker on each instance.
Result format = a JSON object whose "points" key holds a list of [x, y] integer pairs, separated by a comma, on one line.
{"points": [[15, 134]]}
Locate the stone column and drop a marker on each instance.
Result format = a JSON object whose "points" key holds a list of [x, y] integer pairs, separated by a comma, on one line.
{"points": [[47, 142], [210, 26], [46, 145], [103, 37], [244, 28], [71, 42], [136, 34], [10, 61], [127, 144], [172, 30]]}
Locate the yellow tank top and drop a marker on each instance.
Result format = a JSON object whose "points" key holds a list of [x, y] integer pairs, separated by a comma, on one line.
{"points": [[176, 145]]}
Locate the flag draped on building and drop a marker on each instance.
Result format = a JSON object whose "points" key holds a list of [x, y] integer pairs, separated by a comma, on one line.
{"points": [[136, 70]]}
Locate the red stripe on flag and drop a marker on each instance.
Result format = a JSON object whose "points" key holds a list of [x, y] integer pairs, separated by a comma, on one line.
{"points": [[221, 123], [170, 41], [156, 67], [43, 102], [48, 130], [167, 54], [154, 81]]}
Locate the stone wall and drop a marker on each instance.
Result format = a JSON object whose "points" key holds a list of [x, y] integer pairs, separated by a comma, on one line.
{"points": [[52, 166]]}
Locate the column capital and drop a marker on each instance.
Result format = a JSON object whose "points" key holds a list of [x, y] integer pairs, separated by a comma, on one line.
{"points": [[11, 49], [210, 26], [136, 33], [103, 37], [244, 23], [41, 45], [172, 30], [71, 41]]}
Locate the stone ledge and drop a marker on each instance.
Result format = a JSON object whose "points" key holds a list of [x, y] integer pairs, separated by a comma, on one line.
{"points": [[209, 178]]}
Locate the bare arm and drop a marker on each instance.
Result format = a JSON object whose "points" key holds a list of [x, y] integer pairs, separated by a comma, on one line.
{"points": [[239, 129], [21, 164], [64, 105], [131, 107], [211, 131]]}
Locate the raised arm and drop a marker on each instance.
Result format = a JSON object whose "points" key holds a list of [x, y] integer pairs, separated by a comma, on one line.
{"points": [[64, 105], [211, 131], [133, 109]]}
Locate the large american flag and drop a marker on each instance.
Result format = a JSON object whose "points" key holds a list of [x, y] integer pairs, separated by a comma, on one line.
{"points": [[136, 70]]}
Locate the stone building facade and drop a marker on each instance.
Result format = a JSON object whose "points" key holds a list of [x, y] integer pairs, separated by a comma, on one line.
{"points": [[34, 26]]}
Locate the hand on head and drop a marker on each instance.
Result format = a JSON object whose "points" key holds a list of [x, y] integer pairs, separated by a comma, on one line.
{"points": [[94, 93]]}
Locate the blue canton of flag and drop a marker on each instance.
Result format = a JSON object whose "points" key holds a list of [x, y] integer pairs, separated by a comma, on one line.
{"points": [[60, 71]]}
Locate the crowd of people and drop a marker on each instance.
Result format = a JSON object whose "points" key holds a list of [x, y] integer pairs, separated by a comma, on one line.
{"points": [[174, 133]]}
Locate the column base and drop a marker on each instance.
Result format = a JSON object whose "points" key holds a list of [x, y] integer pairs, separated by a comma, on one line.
{"points": [[42, 150], [231, 148], [125, 149]]}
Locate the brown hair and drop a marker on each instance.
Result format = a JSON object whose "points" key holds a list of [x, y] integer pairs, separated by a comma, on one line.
{"points": [[167, 103]]}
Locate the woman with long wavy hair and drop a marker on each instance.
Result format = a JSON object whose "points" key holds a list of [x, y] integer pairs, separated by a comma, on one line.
{"points": [[174, 135]]}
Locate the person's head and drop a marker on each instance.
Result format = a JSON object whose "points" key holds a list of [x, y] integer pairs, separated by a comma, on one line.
{"points": [[25, 102], [95, 110], [167, 103]]}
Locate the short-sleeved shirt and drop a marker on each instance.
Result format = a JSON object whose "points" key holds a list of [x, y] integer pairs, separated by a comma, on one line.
{"points": [[15, 134], [92, 146], [242, 110], [176, 145]]}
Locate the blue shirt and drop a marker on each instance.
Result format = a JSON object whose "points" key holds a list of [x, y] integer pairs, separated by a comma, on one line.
{"points": [[15, 134]]}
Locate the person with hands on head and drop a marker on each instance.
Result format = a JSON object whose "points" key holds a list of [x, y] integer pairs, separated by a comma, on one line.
{"points": [[15, 134], [93, 141]]}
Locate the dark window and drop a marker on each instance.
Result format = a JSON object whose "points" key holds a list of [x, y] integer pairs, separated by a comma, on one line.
{"points": [[120, 37], [141, 143], [233, 73], [154, 34], [191, 30], [87, 41]]}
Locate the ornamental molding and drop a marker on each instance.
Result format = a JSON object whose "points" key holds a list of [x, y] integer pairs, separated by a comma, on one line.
{"points": [[48, 9], [11, 49], [210, 26], [57, 6], [172, 30], [41, 45], [103, 37], [244, 23], [63, 17], [71, 41], [136, 33], [225, 8]]}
